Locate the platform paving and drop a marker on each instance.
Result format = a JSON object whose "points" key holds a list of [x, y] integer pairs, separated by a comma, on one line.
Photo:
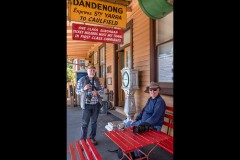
{"points": [[74, 115]]}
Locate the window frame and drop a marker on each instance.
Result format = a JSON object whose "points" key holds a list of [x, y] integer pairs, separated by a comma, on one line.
{"points": [[100, 65], [166, 87]]}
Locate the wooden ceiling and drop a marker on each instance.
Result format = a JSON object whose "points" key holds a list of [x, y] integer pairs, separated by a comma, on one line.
{"points": [[80, 49]]}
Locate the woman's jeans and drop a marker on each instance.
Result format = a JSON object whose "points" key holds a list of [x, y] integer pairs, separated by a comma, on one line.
{"points": [[90, 112]]}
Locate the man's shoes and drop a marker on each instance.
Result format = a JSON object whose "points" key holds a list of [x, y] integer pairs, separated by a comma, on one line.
{"points": [[94, 141]]}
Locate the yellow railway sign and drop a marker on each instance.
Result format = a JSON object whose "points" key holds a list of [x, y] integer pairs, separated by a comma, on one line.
{"points": [[98, 12]]}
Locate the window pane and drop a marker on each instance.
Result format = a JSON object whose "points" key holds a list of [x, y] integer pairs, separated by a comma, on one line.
{"points": [[95, 58], [126, 38], [165, 62], [102, 62], [102, 55], [128, 59], [164, 29], [103, 71]]}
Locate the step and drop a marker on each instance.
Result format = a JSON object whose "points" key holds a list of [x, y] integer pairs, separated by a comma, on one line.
{"points": [[119, 113]]}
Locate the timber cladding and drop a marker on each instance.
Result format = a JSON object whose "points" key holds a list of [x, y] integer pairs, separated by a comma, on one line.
{"points": [[141, 54]]}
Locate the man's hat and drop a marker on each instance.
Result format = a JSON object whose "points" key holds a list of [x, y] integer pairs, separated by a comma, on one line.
{"points": [[152, 85], [91, 67]]}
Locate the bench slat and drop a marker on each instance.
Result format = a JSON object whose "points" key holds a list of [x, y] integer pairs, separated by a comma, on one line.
{"points": [[79, 149], [93, 149], [169, 116], [86, 150], [169, 108], [73, 155], [168, 124], [167, 145]]}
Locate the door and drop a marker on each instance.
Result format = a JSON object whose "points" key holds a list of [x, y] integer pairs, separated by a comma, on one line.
{"points": [[124, 60], [121, 94], [128, 59]]}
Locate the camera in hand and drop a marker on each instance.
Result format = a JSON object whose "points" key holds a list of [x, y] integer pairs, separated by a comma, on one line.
{"points": [[143, 127], [89, 97]]}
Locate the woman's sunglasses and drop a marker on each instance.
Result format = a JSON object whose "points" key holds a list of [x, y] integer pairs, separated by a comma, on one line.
{"points": [[152, 89]]}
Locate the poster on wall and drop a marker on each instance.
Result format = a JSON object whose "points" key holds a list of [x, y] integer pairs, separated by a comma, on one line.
{"points": [[98, 12], [96, 34]]}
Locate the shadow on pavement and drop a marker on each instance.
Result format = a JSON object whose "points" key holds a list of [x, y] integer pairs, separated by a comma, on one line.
{"points": [[74, 115]]}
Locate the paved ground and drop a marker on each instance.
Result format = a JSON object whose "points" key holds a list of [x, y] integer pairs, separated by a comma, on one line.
{"points": [[74, 115]]}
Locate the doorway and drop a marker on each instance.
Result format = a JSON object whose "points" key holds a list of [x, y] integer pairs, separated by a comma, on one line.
{"points": [[124, 60], [128, 59], [121, 94]]}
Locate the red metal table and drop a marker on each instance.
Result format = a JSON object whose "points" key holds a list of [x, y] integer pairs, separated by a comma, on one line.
{"points": [[128, 141]]}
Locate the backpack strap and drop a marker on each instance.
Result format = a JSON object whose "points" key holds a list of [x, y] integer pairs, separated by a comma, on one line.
{"points": [[88, 81]]}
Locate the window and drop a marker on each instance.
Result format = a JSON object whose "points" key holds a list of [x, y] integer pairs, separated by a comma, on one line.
{"points": [[95, 58], [102, 63], [164, 44], [126, 38], [128, 55], [164, 29], [165, 62]]}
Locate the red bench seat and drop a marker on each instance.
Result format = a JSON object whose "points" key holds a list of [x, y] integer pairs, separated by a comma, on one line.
{"points": [[85, 150]]}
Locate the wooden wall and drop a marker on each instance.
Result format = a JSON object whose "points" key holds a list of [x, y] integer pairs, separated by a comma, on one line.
{"points": [[141, 52], [141, 55], [109, 62]]}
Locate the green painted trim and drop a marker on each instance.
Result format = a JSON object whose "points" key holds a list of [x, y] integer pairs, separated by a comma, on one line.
{"points": [[155, 9]]}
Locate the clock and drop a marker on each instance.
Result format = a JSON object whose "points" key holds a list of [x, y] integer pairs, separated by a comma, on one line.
{"points": [[125, 79]]}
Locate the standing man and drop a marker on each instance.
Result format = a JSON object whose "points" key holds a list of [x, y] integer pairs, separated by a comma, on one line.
{"points": [[90, 89]]}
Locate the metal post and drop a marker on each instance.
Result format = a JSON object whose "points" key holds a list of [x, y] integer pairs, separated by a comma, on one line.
{"points": [[71, 96]]}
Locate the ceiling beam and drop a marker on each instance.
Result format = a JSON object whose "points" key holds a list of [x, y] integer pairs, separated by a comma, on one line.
{"points": [[129, 9], [79, 45], [121, 2], [70, 38], [78, 50], [79, 54], [82, 46], [82, 42], [75, 55]]}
